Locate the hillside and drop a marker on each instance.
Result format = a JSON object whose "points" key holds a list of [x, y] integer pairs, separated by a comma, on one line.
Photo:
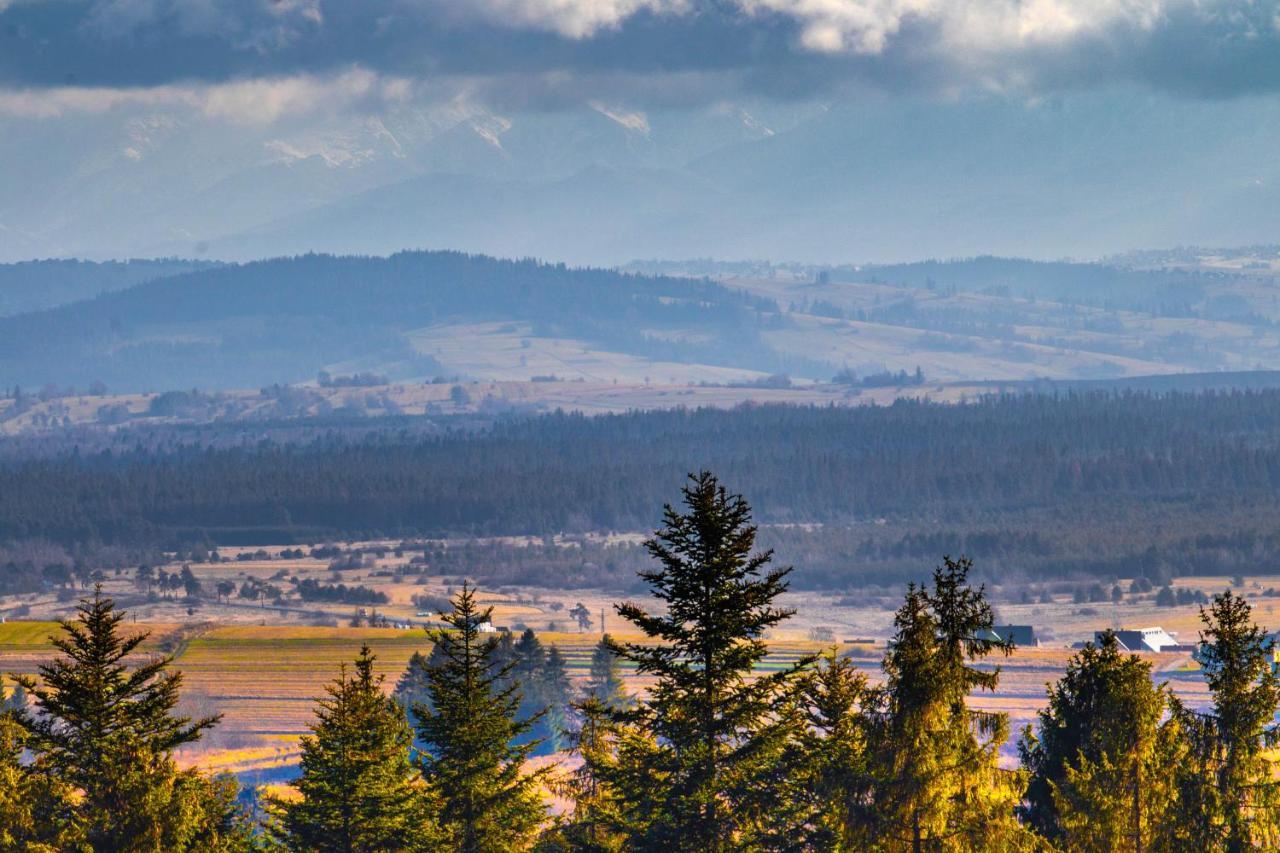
{"points": [[37, 285], [418, 317], [285, 320]]}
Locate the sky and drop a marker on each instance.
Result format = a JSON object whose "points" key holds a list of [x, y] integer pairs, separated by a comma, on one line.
{"points": [[214, 92]]}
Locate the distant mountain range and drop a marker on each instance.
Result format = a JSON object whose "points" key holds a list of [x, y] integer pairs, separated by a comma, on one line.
{"points": [[870, 179]]}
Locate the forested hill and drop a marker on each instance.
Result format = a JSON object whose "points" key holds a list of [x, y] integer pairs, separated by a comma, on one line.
{"points": [[283, 320], [38, 285], [1054, 486]]}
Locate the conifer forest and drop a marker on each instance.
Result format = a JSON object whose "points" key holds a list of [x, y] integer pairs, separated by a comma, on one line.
{"points": [[716, 755]]}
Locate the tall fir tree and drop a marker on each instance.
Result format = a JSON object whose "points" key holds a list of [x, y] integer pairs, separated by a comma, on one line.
{"points": [[937, 781], [108, 733], [471, 759], [712, 723], [1228, 790], [1101, 756], [359, 791]]}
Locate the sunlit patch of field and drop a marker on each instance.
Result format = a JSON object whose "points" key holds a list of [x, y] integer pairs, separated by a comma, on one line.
{"points": [[21, 635], [245, 759], [512, 351]]}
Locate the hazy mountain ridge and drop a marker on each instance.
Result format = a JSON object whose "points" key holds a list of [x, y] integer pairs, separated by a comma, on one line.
{"points": [[415, 316], [38, 285], [877, 179], [286, 319]]}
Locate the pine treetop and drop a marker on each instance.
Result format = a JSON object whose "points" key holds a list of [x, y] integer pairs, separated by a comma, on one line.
{"points": [[359, 790], [471, 758], [90, 698]]}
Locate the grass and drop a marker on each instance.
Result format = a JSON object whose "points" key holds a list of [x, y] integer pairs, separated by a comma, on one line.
{"points": [[22, 635]]}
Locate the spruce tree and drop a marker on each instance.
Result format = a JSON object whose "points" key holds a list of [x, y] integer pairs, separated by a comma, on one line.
{"points": [[1228, 789], [711, 722], [108, 732], [604, 680], [471, 760], [359, 790], [596, 822], [937, 783], [529, 676], [411, 688], [1100, 759], [827, 763], [530, 657], [556, 692]]}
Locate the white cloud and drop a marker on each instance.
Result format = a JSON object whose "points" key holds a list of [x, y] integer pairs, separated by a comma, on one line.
{"points": [[574, 19], [868, 26], [259, 101]]}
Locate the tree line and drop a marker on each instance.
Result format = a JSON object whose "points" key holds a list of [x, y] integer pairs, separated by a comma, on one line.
{"points": [[714, 756], [1083, 485]]}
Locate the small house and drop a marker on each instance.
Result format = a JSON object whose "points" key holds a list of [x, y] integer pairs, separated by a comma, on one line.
{"points": [[1154, 639], [1018, 636]]}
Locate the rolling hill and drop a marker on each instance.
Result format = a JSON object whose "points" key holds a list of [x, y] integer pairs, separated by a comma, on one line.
{"points": [[444, 316]]}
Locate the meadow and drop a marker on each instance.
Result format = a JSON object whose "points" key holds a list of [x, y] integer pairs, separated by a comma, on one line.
{"points": [[263, 667]]}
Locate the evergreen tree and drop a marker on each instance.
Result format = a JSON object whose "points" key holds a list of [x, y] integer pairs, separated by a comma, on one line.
{"points": [[471, 760], [556, 692], [935, 761], [604, 681], [1100, 759], [1228, 789], [527, 674], [412, 686], [711, 722], [530, 657], [33, 816], [502, 660], [359, 791], [108, 733], [828, 762], [595, 825]]}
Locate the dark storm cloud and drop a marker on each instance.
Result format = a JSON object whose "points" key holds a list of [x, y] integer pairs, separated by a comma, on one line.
{"points": [[531, 51]]}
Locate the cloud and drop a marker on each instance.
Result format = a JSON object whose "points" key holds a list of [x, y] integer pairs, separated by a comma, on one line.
{"points": [[258, 101], [574, 19], [539, 52]]}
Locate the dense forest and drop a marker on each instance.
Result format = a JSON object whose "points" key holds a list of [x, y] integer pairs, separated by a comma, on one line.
{"points": [[1043, 487], [716, 755]]}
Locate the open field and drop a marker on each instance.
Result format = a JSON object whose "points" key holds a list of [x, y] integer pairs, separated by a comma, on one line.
{"points": [[958, 336], [264, 680], [262, 668], [508, 395]]}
